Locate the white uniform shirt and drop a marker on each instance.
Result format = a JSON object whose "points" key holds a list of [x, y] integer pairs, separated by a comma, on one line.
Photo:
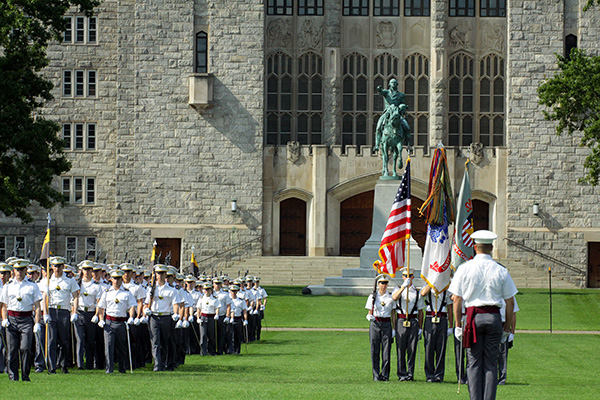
{"points": [[384, 304], [238, 306], [164, 298], [503, 309], [61, 291], [89, 294], [263, 292], [224, 299], [250, 298], [482, 282], [20, 296], [188, 300], [195, 297], [412, 297], [117, 302], [208, 304], [136, 290]]}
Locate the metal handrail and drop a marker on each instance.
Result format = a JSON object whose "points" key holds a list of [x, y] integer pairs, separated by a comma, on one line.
{"points": [[545, 256], [219, 254]]}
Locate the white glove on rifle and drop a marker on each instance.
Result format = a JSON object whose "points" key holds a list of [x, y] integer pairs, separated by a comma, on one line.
{"points": [[216, 317], [370, 317], [511, 337], [458, 333], [226, 320], [191, 318], [175, 317], [95, 319], [393, 333], [504, 336], [37, 328], [101, 323], [420, 333], [245, 322], [5, 323], [148, 312], [74, 317]]}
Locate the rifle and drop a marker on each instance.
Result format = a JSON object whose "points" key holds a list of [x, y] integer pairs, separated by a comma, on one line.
{"points": [[105, 256], [158, 259], [98, 255], [125, 259]]}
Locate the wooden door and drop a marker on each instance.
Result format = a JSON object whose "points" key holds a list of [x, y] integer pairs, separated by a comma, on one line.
{"points": [[172, 246], [356, 220], [594, 264], [292, 227], [481, 215]]}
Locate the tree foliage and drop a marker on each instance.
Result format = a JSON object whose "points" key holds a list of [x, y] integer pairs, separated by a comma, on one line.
{"points": [[573, 96], [30, 151]]}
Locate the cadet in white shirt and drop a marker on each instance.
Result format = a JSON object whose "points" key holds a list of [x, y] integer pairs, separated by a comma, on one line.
{"points": [[380, 305], [223, 321], [409, 325], [251, 301], [85, 327], [481, 284], [263, 302], [60, 292], [207, 313], [115, 309], [193, 331], [239, 319], [19, 304], [436, 332], [135, 330]]}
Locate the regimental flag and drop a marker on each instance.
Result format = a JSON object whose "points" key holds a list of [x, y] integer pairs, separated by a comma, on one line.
{"points": [[392, 250], [153, 259], [194, 263], [46, 245], [462, 247]]}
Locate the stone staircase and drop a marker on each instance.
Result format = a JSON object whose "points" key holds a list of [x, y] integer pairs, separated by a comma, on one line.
{"points": [[324, 274]]}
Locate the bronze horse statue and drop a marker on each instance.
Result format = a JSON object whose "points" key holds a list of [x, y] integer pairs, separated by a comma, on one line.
{"points": [[391, 135]]}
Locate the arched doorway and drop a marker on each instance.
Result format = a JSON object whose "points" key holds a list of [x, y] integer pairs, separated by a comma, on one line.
{"points": [[356, 220], [292, 227], [481, 215]]}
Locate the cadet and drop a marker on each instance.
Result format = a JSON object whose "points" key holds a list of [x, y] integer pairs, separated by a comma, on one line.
{"points": [[139, 294], [193, 331], [503, 351], [115, 305], [224, 311], [5, 271], [60, 293], [85, 327], [436, 332], [482, 284], [409, 325], [239, 319], [208, 314], [251, 300], [380, 305], [19, 299], [263, 301]]}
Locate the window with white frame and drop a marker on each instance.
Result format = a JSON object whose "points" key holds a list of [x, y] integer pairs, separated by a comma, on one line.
{"points": [[90, 248], [80, 30], [79, 83], [20, 244], [79, 190], [79, 136], [2, 248], [71, 249]]}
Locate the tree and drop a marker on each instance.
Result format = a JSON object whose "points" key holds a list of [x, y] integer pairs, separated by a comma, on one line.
{"points": [[30, 150], [573, 96]]}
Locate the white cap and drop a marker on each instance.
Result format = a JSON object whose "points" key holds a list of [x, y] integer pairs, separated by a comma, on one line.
{"points": [[383, 278], [484, 237]]}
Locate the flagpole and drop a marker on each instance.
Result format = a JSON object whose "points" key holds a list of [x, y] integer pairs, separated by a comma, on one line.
{"points": [[47, 295], [408, 254]]}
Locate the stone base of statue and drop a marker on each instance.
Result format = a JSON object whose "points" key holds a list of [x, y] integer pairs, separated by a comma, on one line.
{"points": [[359, 281]]}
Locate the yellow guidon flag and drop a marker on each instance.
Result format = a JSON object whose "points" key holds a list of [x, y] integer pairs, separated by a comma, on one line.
{"points": [[153, 258], [46, 245]]}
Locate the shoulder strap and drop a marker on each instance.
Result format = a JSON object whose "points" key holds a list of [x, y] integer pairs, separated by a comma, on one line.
{"points": [[414, 309]]}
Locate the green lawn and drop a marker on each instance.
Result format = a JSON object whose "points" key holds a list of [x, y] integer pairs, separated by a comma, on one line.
{"points": [[336, 365]]}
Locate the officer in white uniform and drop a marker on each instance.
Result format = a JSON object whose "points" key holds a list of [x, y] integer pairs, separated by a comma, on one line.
{"points": [[85, 327], [482, 284], [223, 321], [135, 330], [239, 319], [207, 313], [116, 308], [380, 305], [193, 331], [409, 324], [436, 332], [19, 304]]}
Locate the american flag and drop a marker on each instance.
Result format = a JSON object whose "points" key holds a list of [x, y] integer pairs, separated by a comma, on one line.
{"points": [[393, 243]]}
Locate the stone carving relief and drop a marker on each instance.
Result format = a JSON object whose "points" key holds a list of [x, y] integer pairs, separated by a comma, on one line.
{"points": [[293, 151], [386, 34], [459, 37], [476, 150], [279, 33], [493, 38], [310, 35], [356, 36]]}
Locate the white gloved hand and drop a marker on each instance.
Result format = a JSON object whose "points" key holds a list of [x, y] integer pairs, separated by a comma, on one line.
{"points": [[393, 333], [185, 324], [370, 317], [147, 312], [101, 323], [136, 321], [178, 325], [511, 337], [226, 320], [5, 323], [130, 321], [216, 317], [144, 320], [504, 336], [95, 319], [191, 318], [74, 317], [175, 317], [245, 322], [406, 282], [46, 318], [420, 333], [262, 308], [458, 333], [450, 330], [37, 328]]}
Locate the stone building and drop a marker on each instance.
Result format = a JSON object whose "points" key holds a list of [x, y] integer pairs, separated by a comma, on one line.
{"points": [[172, 109]]}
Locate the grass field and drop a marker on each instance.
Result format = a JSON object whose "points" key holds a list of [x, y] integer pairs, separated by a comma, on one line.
{"points": [[336, 365]]}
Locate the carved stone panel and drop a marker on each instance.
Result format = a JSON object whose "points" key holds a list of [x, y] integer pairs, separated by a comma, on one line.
{"points": [[386, 34], [476, 150], [279, 34], [310, 35], [493, 37], [293, 151]]}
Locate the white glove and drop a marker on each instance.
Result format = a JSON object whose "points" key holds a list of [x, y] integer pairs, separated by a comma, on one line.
{"points": [[185, 324], [178, 325], [37, 328], [46, 318], [245, 322], [216, 317], [511, 337], [5, 323], [458, 333], [136, 321], [504, 336], [262, 308], [144, 320], [191, 318], [148, 312], [406, 282], [226, 320], [393, 333], [450, 330], [101, 323], [74, 317], [420, 333], [175, 317], [130, 321], [95, 319], [370, 317]]}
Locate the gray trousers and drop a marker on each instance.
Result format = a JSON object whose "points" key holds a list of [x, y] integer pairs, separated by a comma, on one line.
{"points": [[39, 360], [19, 335], [115, 337], [380, 335], [482, 357], [59, 338], [435, 337], [502, 362], [406, 347], [85, 335], [207, 336], [160, 330]]}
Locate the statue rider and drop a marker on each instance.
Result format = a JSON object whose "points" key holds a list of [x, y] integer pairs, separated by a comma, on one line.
{"points": [[391, 97]]}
